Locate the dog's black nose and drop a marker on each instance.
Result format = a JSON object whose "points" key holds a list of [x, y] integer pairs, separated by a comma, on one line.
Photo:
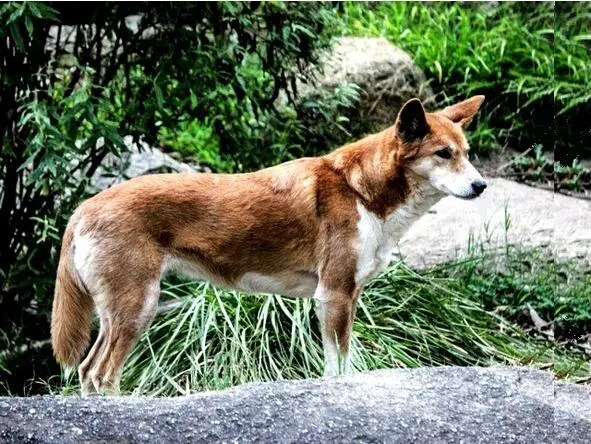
{"points": [[478, 186]]}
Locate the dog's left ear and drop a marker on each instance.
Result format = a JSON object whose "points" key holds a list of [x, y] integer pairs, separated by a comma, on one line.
{"points": [[463, 112], [411, 123]]}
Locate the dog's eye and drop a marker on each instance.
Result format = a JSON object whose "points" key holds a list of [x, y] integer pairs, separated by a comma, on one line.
{"points": [[444, 153]]}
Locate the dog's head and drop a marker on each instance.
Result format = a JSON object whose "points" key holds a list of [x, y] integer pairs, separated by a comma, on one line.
{"points": [[432, 146]]}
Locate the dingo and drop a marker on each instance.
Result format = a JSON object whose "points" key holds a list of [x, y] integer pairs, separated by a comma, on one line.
{"points": [[314, 227]]}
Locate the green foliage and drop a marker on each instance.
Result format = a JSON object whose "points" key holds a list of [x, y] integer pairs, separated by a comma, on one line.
{"points": [[281, 131], [571, 69], [558, 292], [195, 140], [220, 98], [323, 124], [530, 61], [20, 20], [540, 168], [575, 177]]}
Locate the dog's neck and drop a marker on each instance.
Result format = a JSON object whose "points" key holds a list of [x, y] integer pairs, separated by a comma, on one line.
{"points": [[372, 168]]}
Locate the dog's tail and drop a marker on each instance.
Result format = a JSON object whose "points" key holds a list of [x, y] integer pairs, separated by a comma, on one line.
{"points": [[71, 315]]}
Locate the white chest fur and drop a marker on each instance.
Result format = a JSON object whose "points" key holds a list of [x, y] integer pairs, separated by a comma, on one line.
{"points": [[378, 237]]}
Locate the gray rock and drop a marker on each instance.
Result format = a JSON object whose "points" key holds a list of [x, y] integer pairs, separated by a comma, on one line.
{"points": [[427, 405], [386, 75], [139, 159], [536, 218], [67, 37]]}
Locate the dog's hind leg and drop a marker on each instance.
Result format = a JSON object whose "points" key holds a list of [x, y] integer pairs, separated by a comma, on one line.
{"points": [[97, 350], [128, 314]]}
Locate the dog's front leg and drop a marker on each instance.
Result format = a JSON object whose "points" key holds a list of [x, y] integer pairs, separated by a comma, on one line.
{"points": [[335, 309]]}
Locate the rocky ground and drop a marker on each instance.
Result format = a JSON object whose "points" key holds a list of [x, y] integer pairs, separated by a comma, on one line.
{"points": [[434, 405]]}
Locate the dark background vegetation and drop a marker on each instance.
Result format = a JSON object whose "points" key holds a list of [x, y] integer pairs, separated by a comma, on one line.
{"points": [[216, 83]]}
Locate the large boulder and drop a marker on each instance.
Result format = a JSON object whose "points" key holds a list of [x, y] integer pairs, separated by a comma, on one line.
{"points": [[432, 405], [386, 76], [506, 212]]}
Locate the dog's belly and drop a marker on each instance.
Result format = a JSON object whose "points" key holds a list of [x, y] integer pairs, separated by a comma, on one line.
{"points": [[301, 284], [287, 283]]}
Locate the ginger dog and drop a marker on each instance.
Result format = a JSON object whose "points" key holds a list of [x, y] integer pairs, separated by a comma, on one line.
{"points": [[317, 227]]}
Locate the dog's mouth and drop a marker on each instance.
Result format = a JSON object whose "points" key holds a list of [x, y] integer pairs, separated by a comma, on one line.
{"points": [[466, 196], [469, 196]]}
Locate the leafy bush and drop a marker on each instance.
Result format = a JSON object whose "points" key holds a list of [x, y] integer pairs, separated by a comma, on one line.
{"points": [[286, 130], [531, 63], [227, 87], [51, 120], [558, 292], [196, 140], [540, 168], [572, 81]]}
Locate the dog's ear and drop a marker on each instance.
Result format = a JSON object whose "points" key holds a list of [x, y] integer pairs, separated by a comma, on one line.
{"points": [[463, 112], [411, 123]]}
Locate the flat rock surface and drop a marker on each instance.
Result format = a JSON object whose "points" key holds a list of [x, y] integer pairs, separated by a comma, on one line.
{"points": [[537, 218], [427, 405]]}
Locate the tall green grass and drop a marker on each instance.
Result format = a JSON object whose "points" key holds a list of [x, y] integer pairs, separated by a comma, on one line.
{"points": [[214, 338]]}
